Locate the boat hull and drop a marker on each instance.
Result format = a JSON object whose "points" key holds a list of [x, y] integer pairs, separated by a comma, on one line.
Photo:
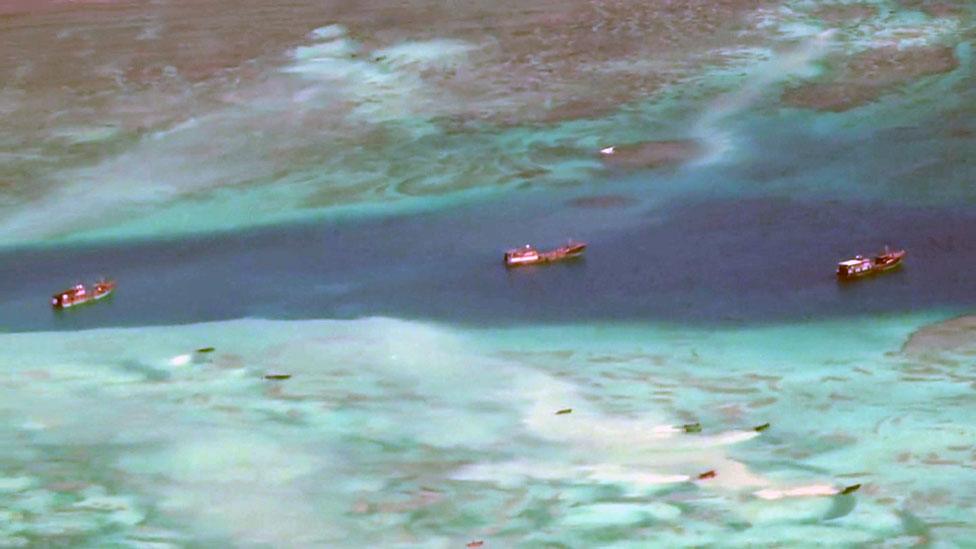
{"points": [[560, 254], [80, 302], [61, 303]]}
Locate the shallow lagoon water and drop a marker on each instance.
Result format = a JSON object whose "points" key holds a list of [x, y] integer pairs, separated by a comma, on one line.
{"points": [[362, 444], [329, 199]]}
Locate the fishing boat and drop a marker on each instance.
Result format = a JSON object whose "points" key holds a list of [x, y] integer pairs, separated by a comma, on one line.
{"points": [[529, 255], [79, 294], [860, 266]]}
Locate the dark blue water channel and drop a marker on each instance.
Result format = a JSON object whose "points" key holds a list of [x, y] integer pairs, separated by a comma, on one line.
{"points": [[713, 261], [753, 240]]}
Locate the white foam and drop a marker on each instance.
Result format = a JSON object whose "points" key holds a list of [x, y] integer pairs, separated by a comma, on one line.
{"points": [[321, 51], [180, 360], [86, 134], [152, 31], [810, 490], [328, 32], [420, 54]]}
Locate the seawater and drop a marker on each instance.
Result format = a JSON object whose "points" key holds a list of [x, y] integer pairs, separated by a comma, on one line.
{"points": [[324, 191], [705, 262]]}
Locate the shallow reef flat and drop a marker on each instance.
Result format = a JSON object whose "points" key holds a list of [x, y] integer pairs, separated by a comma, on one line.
{"points": [[329, 108], [957, 335], [864, 78], [407, 434]]}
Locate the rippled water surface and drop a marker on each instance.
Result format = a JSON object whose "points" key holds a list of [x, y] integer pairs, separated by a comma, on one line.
{"points": [[323, 191]]}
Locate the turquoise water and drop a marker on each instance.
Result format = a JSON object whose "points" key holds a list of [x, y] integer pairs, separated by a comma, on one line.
{"points": [[412, 434], [324, 190]]}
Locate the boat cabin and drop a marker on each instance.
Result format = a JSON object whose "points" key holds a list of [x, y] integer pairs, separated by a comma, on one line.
{"points": [[528, 254], [70, 296], [79, 293], [854, 267]]}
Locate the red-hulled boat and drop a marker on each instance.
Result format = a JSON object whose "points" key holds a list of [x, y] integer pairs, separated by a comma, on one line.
{"points": [[79, 293], [530, 256], [860, 266]]}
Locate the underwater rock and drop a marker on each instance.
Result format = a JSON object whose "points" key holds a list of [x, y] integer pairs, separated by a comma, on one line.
{"points": [[651, 154], [203, 355], [957, 334], [935, 8], [603, 201], [864, 78], [846, 13]]}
